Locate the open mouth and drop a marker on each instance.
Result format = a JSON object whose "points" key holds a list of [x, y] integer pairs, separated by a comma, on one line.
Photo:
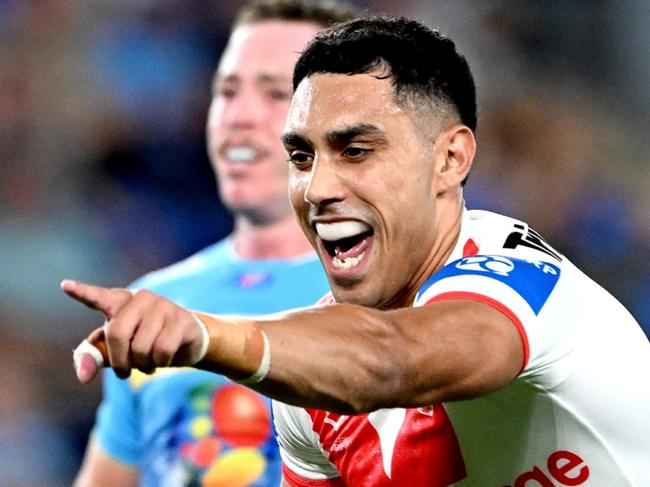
{"points": [[346, 242]]}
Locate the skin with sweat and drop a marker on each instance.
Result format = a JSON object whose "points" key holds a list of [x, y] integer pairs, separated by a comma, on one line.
{"points": [[382, 173]]}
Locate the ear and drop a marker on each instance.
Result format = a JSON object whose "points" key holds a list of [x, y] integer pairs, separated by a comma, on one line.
{"points": [[456, 150]]}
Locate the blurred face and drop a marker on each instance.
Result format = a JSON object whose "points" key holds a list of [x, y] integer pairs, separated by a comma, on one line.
{"points": [[250, 100], [364, 186]]}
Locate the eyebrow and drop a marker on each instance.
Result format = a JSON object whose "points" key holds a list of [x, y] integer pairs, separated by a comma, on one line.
{"points": [[336, 137], [346, 134], [293, 139], [262, 78]]}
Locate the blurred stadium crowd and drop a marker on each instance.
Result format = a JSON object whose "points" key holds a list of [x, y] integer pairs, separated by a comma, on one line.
{"points": [[104, 175]]}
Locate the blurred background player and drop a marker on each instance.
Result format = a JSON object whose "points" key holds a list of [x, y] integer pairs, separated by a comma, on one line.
{"points": [[185, 427]]}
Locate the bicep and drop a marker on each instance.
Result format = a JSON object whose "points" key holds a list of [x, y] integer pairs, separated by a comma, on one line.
{"points": [[100, 470], [457, 349]]}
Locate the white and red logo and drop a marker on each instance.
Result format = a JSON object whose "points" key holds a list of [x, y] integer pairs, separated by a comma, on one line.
{"points": [[562, 466]]}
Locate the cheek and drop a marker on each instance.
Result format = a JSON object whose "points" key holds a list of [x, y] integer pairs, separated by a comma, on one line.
{"points": [[215, 119], [215, 112], [298, 182], [404, 210]]}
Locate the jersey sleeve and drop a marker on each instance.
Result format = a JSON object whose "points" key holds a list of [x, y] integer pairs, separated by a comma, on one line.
{"points": [[117, 429], [304, 463], [517, 287]]}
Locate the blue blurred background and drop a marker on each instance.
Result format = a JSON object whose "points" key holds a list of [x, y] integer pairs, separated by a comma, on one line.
{"points": [[104, 174]]}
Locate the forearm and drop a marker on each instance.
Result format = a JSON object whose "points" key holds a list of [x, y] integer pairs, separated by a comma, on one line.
{"points": [[350, 359], [342, 358]]}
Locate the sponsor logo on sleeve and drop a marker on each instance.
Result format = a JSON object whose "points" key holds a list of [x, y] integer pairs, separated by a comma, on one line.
{"points": [[562, 466], [532, 280]]}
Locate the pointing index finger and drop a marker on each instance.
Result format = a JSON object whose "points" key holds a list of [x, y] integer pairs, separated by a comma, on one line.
{"points": [[108, 301]]}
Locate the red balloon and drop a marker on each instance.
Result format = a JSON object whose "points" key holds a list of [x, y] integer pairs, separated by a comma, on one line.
{"points": [[241, 417]]}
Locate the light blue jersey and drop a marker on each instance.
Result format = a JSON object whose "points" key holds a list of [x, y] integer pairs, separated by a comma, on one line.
{"points": [[185, 427]]}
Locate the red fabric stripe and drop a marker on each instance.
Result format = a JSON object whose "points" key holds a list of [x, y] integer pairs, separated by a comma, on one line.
{"points": [[470, 248], [495, 304], [327, 299], [295, 480]]}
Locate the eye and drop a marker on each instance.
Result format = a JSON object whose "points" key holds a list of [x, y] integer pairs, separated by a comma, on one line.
{"points": [[225, 92], [355, 152], [280, 95], [300, 159]]}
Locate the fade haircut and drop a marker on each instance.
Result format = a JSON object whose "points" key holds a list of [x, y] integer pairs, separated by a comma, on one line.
{"points": [[422, 64], [322, 13]]}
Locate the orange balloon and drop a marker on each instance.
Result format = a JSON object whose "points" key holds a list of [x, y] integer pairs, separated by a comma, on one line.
{"points": [[202, 453], [241, 417], [205, 451]]}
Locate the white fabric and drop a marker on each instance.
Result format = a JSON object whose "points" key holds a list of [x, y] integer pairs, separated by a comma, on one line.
{"points": [[299, 446]]}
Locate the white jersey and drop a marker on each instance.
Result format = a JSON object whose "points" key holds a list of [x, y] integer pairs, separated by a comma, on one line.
{"points": [[577, 414]]}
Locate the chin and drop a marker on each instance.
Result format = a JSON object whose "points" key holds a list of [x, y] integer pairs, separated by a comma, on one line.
{"points": [[351, 295]]}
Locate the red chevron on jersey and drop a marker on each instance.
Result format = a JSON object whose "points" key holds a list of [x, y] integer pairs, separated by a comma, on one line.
{"points": [[327, 299], [470, 248], [378, 448]]}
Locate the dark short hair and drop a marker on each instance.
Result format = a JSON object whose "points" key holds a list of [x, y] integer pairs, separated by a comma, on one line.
{"points": [[322, 13], [420, 61]]}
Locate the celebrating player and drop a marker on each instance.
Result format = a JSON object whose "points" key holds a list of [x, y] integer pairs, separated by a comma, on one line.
{"points": [[187, 426], [543, 374]]}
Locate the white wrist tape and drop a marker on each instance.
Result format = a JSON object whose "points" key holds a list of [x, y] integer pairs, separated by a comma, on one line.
{"points": [[87, 347], [262, 371], [206, 339]]}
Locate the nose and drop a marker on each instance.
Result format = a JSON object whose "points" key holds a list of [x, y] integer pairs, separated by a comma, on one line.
{"points": [[245, 110], [325, 184]]}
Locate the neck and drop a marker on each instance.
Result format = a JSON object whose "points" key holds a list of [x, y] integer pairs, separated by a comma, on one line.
{"points": [[276, 240]]}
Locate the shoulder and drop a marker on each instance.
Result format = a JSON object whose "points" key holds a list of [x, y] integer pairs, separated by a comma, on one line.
{"points": [[492, 233], [497, 252]]}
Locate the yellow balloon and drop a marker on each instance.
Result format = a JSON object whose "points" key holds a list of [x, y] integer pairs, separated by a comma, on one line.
{"points": [[235, 468], [200, 427]]}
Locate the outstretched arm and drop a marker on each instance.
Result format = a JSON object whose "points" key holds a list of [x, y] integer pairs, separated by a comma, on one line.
{"points": [[343, 358], [351, 359]]}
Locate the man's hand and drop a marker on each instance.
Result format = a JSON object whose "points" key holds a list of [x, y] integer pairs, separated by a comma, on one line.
{"points": [[142, 330]]}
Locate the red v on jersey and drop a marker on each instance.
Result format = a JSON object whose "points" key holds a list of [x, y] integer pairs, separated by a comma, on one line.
{"points": [[391, 447]]}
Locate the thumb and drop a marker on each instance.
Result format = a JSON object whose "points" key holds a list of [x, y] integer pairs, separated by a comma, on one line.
{"points": [[91, 355], [108, 301]]}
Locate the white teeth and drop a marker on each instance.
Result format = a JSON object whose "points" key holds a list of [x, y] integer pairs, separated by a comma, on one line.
{"points": [[339, 230], [240, 153], [347, 263]]}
